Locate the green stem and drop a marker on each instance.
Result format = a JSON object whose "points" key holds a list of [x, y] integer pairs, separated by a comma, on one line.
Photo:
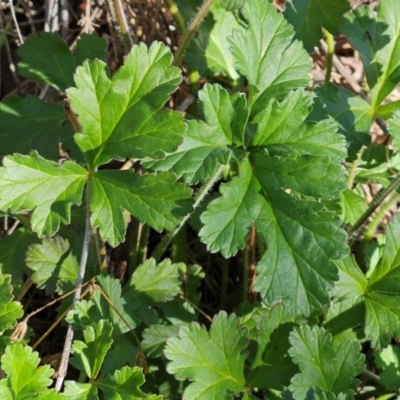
{"points": [[166, 240], [353, 170], [378, 217], [176, 15], [329, 56], [376, 202], [191, 30], [120, 17]]}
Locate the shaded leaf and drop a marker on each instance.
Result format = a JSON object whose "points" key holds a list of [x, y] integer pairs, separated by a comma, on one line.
{"points": [[28, 124], [55, 267], [309, 17]]}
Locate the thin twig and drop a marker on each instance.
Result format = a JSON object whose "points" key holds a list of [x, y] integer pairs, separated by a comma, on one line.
{"points": [[62, 371], [14, 17]]}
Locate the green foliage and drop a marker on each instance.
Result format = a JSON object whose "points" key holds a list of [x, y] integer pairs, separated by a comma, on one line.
{"points": [[309, 16], [266, 164]]}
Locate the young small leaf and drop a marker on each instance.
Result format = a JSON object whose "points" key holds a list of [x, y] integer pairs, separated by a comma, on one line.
{"points": [[43, 187], [324, 363], [122, 117], [89, 355], [255, 50], [207, 144], [156, 283], [10, 310], [214, 360], [55, 267], [309, 16]]}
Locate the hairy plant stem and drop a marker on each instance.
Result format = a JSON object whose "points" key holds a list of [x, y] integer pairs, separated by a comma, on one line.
{"points": [[369, 232], [376, 202], [176, 15], [119, 16], [329, 56], [353, 170], [166, 240], [62, 371], [191, 30]]}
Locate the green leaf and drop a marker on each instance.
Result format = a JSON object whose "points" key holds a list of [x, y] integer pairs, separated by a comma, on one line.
{"points": [[122, 117], [10, 310], [309, 17], [275, 368], [324, 363], [286, 152], [381, 296], [90, 47], [208, 52], [47, 59], [214, 360], [125, 385], [394, 129], [89, 355], [376, 40], [98, 307], [353, 206], [121, 354], [80, 391], [156, 283], [12, 254], [351, 112], [24, 378], [156, 200], [231, 5], [388, 361], [33, 183], [255, 50], [30, 124], [55, 266], [154, 338], [206, 144]]}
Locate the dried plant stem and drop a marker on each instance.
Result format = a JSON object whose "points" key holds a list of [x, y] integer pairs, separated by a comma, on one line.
{"points": [[62, 372], [191, 30], [14, 17]]}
